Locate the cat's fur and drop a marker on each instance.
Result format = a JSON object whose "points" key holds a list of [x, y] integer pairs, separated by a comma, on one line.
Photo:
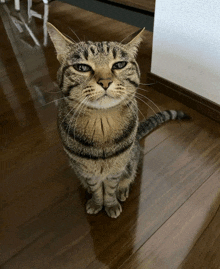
{"points": [[98, 116]]}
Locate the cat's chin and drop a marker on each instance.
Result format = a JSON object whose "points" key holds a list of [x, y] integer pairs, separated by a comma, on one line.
{"points": [[105, 102]]}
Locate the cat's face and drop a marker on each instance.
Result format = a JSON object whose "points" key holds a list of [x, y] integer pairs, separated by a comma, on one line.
{"points": [[98, 74]]}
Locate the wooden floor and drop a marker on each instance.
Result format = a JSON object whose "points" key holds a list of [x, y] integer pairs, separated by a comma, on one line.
{"points": [[172, 217]]}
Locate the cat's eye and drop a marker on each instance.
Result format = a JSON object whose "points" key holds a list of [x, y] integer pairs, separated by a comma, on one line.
{"points": [[119, 65], [82, 67]]}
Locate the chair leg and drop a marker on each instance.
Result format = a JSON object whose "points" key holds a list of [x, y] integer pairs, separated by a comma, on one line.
{"points": [[29, 10], [45, 19], [17, 5]]}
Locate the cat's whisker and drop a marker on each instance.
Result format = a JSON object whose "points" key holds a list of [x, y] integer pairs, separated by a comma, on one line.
{"points": [[72, 118], [141, 95], [75, 34], [149, 107], [149, 100], [138, 108], [137, 88], [148, 84], [131, 93], [55, 92], [131, 108], [70, 122], [66, 115], [136, 113], [146, 90], [81, 109], [119, 93], [146, 104], [70, 38], [141, 113], [54, 101], [143, 89], [88, 91], [94, 95]]}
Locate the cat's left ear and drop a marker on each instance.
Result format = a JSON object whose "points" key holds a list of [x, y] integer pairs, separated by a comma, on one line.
{"points": [[61, 43], [135, 40]]}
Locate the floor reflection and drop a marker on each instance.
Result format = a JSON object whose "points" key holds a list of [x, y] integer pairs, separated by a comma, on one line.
{"points": [[9, 91], [31, 62], [206, 243]]}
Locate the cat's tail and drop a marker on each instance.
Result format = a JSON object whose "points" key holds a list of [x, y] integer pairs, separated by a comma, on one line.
{"points": [[151, 123]]}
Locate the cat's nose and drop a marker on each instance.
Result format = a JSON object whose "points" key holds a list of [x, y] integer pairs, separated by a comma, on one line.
{"points": [[105, 83]]}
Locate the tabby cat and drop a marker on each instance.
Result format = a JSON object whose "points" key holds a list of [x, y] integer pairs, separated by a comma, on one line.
{"points": [[98, 116]]}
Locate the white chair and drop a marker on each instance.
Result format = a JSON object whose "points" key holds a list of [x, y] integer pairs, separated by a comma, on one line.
{"points": [[32, 13]]}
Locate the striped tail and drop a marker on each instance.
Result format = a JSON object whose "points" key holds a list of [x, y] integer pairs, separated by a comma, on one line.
{"points": [[151, 123]]}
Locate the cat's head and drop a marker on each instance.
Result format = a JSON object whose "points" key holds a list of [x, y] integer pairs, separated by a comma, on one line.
{"points": [[99, 74]]}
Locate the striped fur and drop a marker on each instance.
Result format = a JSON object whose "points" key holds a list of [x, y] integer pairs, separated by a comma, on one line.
{"points": [[98, 116], [153, 122]]}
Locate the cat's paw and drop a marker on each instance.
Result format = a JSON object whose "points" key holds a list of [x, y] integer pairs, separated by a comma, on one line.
{"points": [[122, 193], [113, 211], [92, 207]]}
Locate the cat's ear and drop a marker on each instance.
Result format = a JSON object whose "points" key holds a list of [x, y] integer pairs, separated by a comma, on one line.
{"points": [[134, 41], [60, 42]]}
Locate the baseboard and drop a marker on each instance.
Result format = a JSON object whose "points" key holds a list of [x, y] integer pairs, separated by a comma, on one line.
{"points": [[188, 98]]}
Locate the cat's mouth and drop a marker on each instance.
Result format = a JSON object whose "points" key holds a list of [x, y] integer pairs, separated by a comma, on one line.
{"points": [[105, 101], [104, 96]]}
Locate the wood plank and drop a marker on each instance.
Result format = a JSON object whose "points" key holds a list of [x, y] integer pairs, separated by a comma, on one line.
{"points": [[169, 246], [206, 252]]}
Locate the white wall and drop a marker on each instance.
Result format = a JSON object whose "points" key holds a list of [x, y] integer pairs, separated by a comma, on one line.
{"points": [[186, 45]]}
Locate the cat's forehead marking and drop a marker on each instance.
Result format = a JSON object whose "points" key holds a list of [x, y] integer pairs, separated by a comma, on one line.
{"points": [[98, 48], [98, 51]]}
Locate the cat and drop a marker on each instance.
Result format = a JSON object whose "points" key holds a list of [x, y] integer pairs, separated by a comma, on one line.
{"points": [[98, 116]]}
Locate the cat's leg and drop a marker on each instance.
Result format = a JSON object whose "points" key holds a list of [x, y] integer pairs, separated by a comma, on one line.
{"points": [[112, 206], [126, 180], [95, 187], [92, 184], [129, 173]]}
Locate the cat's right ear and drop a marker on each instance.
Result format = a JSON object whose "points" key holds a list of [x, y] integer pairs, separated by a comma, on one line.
{"points": [[60, 42], [133, 41]]}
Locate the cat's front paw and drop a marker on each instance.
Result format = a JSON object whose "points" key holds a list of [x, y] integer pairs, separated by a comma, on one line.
{"points": [[92, 207], [122, 194], [113, 211], [123, 190]]}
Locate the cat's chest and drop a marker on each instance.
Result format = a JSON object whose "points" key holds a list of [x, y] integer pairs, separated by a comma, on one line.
{"points": [[102, 129]]}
